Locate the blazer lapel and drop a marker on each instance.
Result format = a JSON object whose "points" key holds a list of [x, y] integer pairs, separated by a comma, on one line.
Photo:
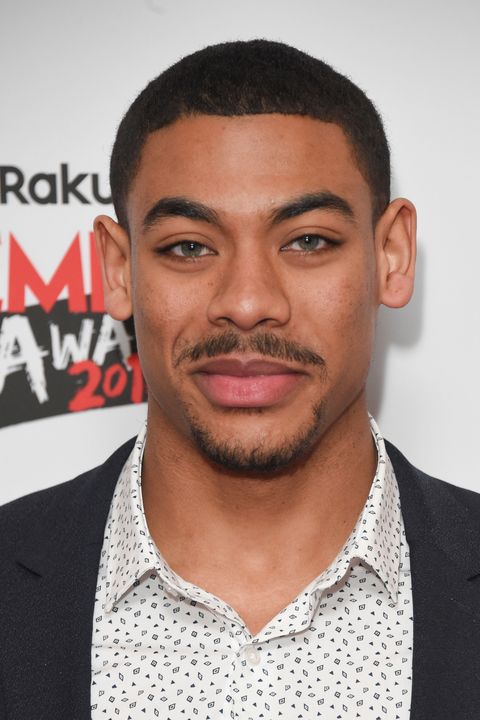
{"points": [[49, 673], [445, 564]]}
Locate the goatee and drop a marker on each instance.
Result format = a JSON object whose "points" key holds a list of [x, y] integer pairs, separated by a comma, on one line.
{"points": [[261, 459]]}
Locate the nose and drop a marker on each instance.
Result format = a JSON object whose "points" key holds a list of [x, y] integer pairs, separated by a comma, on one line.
{"points": [[250, 293]]}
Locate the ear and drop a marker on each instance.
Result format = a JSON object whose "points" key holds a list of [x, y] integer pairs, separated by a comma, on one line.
{"points": [[396, 244], [113, 248]]}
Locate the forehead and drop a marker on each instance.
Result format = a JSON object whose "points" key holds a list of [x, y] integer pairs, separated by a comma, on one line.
{"points": [[242, 164]]}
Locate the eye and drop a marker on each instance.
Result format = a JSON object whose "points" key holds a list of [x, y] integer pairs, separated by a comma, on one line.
{"points": [[309, 242], [186, 249]]}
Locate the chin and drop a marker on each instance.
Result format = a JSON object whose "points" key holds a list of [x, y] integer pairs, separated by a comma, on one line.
{"points": [[261, 457]]}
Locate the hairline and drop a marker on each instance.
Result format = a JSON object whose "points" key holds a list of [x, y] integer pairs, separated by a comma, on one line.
{"points": [[376, 211]]}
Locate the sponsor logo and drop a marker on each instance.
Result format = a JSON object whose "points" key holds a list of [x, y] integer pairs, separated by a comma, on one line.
{"points": [[51, 188]]}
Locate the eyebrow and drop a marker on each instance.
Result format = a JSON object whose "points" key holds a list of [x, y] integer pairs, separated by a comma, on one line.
{"points": [[194, 210], [179, 207], [312, 201]]}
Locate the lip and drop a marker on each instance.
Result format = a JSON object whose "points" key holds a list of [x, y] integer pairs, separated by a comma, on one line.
{"points": [[246, 382], [243, 367]]}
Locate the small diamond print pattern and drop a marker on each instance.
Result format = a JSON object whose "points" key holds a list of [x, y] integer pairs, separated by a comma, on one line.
{"points": [[163, 647]]}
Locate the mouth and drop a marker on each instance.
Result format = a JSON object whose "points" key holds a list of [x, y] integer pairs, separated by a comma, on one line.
{"points": [[246, 382]]}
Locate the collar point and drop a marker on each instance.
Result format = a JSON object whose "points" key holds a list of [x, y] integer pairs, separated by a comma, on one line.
{"points": [[110, 604]]}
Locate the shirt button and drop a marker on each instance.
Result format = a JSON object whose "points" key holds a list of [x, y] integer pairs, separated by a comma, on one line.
{"points": [[252, 656]]}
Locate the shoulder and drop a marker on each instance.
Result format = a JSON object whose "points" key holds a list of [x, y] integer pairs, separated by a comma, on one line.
{"points": [[62, 500], [440, 492]]}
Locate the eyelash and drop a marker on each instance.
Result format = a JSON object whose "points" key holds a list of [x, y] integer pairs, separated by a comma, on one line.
{"points": [[329, 243]]}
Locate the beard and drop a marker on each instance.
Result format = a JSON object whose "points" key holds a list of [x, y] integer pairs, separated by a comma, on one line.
{"points": [[260, 459], [263, 459]]}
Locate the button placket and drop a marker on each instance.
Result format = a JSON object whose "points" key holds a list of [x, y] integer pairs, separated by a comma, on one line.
{"points": [[252, 656]]}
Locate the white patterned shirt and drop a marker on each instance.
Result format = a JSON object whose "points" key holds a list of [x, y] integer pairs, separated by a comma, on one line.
{"points": [[163, 647]]}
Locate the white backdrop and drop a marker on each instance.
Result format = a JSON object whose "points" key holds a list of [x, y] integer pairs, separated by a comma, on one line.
{"points": [[69, 71]]}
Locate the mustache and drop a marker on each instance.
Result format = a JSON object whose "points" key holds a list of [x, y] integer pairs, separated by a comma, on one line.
{"points": [[266, 344]]}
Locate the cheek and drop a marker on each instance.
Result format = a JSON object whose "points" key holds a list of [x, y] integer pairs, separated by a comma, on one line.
{"points": [[164, 309], [344, 317]]}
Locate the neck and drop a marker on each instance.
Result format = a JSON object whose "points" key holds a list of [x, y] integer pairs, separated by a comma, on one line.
{"points": [[204, 519]]}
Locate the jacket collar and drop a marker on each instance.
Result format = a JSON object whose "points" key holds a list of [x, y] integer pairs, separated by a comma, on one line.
{"points": [[78, 523], [433, 513], [441, 526]]}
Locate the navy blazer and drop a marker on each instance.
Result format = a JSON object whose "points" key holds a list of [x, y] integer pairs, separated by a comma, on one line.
{"points": [[51, 543]]}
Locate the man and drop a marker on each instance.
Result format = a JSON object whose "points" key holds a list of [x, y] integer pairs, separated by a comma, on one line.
{"points": [[259, 551]]}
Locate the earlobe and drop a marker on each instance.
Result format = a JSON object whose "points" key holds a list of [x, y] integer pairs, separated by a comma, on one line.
{"points": [[396, 247], [113, 248]]}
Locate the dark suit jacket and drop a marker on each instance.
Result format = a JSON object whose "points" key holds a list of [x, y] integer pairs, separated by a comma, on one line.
{"points": [[51, 543]]}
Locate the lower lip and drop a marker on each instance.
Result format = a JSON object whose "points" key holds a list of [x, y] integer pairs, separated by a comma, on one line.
{"points": [[246, 391]]}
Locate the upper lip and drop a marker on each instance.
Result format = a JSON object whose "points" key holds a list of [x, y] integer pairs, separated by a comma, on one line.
{"points": [[244, 367]]}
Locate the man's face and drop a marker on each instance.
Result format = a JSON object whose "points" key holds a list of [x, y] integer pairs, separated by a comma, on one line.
{"points": [[253, 283]]}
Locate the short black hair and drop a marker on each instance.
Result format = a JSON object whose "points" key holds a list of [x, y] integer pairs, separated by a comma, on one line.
{"points": [[249, 78]]}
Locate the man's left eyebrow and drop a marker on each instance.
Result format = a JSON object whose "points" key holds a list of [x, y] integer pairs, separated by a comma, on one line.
{"points": [[179, 207], [312, 201]]}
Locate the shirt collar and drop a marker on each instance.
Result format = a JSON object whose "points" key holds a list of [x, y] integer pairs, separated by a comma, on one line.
{"points": [[380, 524], [131, 553], [375, 539]]}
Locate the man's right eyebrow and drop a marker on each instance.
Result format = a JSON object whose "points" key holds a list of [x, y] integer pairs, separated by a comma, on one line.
{"points": [[179, 207]]}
